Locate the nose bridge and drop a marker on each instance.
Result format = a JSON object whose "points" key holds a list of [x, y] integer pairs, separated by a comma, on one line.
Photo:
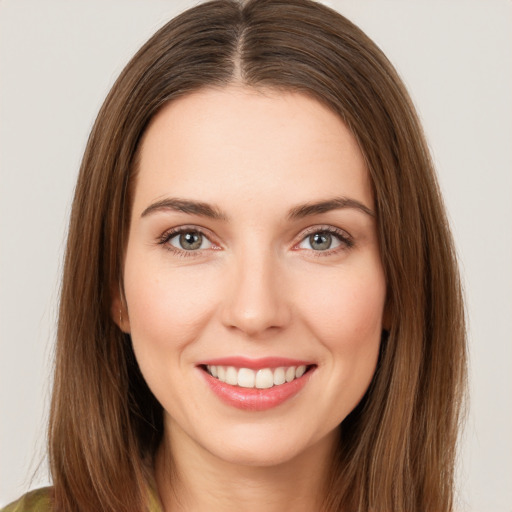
{"points": [[256, 301]]}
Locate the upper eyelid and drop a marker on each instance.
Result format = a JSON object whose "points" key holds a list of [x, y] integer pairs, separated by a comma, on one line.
{"points": [[323, 227], [187, 228]]}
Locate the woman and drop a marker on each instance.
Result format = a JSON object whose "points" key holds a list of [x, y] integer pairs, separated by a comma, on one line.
{"points": [[260, 305]]}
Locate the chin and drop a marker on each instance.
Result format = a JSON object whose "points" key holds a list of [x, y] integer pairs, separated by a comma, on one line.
{"points": [[260, 447]]}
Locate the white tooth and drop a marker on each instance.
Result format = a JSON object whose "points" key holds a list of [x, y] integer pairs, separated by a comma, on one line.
{"points": [[231, 376], [221, 373], [213, 370], [299, 372], [279, 376], [246, 377], [264, 378], [290, 373]]}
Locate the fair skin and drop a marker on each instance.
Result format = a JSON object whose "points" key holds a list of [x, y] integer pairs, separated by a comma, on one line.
{"points": [[252, 244]]}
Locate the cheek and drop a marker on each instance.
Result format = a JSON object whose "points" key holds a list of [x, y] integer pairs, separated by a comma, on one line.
{"points": [[168, 310], [347, 313], [347, 320], [167, 307], [348, 324]]}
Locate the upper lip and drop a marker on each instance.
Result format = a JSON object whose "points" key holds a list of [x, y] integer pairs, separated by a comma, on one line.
{"points": [[255, 363]]}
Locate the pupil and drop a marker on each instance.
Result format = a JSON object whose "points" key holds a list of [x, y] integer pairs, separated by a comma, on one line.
{"points": [[191, 241], [320, 241]]}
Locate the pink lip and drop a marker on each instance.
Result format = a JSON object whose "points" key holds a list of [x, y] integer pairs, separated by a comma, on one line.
{"points": [[254, 364], [250, 399]]}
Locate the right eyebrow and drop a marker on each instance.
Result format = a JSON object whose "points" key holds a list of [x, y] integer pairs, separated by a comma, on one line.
{"points": [[185, 206], [309, 209]]}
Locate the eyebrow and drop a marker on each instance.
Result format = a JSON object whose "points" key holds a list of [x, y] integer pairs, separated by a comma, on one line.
{"points": [[335, 203], [213, 212], [185, 206]]}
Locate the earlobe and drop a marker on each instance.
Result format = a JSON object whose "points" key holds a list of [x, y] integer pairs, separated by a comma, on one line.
{"points": [[119, 313]]}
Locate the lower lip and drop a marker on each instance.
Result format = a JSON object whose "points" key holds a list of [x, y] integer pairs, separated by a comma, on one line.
{"points": [[251, 399]]}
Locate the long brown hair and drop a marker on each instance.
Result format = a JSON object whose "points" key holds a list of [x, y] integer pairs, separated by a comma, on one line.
{"points": [[397, 447]]}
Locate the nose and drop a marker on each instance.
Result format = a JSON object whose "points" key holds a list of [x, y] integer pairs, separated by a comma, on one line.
{"points": [[257, 301]]}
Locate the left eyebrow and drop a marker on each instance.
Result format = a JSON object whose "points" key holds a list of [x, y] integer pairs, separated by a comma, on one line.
{"points": [[336, 203], [185, 206]]}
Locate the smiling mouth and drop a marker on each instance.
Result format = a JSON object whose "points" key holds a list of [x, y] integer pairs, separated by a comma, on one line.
{"points": [[264, 378]]}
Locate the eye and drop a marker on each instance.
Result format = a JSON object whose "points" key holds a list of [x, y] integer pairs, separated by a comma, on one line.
{"points": [[188, 240], [324, 240]]}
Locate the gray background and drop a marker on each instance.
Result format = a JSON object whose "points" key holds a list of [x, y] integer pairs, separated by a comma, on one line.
{"points": [[58, 58]]}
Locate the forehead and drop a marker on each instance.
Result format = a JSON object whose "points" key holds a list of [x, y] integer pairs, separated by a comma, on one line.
{"points": [[238, 142]]}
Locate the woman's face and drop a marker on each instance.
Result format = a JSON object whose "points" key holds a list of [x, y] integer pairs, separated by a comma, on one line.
{"points": [[253, 256]]}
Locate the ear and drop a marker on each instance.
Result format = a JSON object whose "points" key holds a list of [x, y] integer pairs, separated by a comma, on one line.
{"points": [[119, 311]]}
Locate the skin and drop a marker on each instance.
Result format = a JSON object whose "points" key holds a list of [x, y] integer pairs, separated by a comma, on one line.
{"points": [[257, 287]]}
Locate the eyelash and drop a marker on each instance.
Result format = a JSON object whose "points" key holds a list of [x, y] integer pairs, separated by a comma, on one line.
{"points": [[346, 241]]}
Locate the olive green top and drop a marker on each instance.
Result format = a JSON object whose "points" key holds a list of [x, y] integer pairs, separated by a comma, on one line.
{"points": [[33, 501], [39, 501]]}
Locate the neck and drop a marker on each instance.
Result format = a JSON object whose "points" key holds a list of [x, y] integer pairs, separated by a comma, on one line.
{"points": [[192, 479]]}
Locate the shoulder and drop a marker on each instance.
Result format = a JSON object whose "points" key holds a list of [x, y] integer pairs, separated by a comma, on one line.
{"points": [[34, 501], [40, 500]]}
